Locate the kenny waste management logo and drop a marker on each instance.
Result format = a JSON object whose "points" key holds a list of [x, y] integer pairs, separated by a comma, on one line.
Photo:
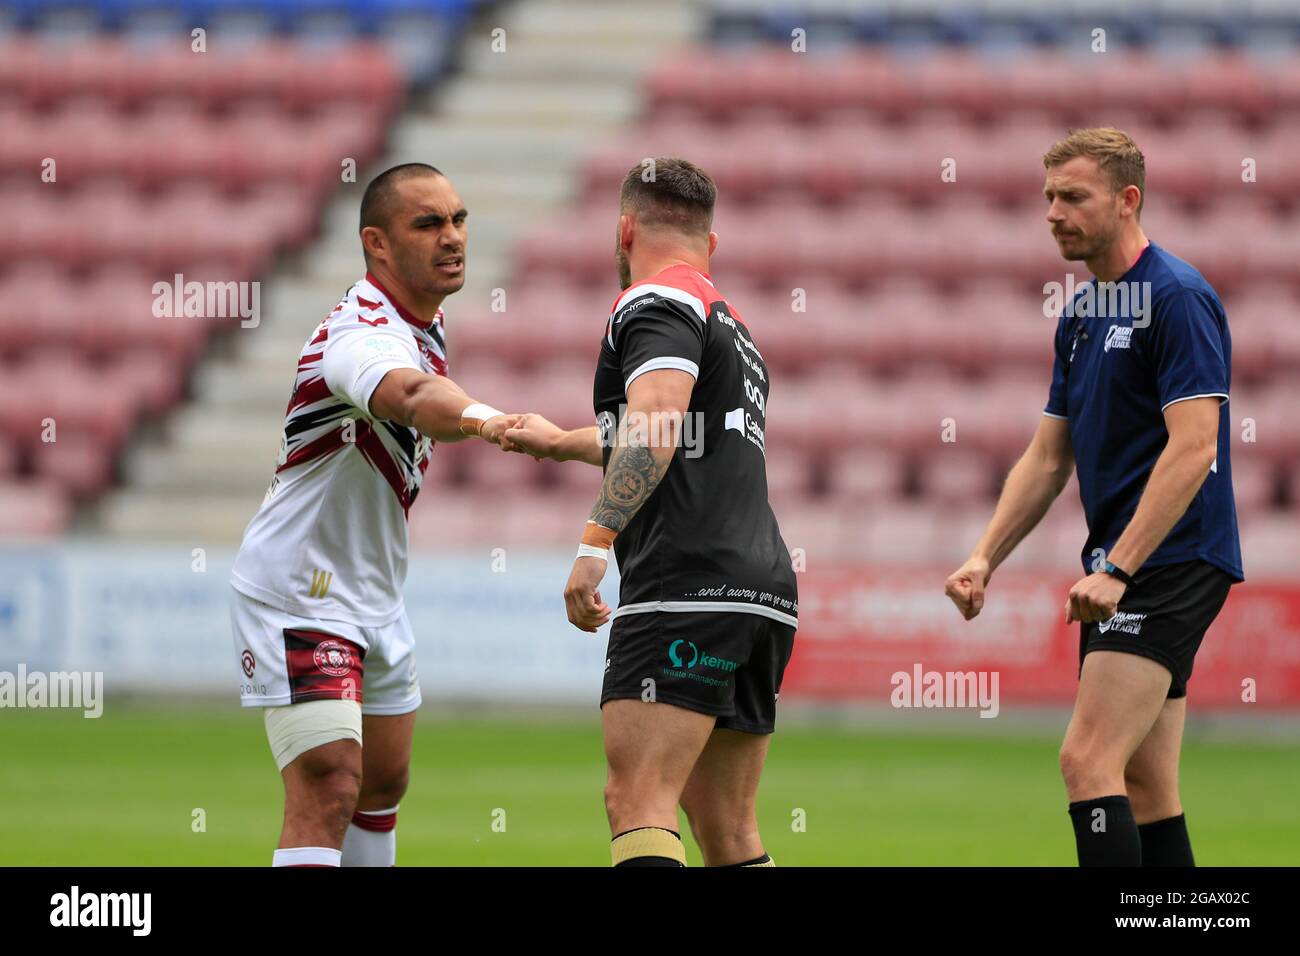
{"points": [[679, 650], [675, 658], [1123, 621]]}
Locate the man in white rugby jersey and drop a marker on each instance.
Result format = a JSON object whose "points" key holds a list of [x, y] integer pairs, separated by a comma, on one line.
{"points": [[321, 633]]}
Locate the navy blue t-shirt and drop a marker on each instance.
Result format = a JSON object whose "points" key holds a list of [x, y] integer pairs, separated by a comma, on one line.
{"points": [[1125, 351]]}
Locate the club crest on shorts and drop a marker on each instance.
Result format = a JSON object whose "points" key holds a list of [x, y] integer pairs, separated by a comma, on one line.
{"points": [[333, 658], [248, 662]]}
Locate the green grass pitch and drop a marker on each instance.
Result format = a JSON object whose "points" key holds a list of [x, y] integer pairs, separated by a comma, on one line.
{"points": [[124, 790]]}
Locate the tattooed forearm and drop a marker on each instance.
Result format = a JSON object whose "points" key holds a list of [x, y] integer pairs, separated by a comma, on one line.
{"points": [[632, 476]]}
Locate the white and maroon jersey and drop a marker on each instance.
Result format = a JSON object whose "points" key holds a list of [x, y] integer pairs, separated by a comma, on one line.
{"points": [[329, 540]]}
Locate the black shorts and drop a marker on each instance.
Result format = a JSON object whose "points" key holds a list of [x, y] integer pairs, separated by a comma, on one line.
{"points": [[1163, 615], [728, 664]]}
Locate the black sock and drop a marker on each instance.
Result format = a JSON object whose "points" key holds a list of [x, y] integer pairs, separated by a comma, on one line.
{"points": [[1105, 832], [1165, 842]]}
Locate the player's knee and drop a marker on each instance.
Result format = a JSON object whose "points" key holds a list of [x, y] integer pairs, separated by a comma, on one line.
{"points": [[334, 796], [1078, 764], [386, 787], [626, 797]]}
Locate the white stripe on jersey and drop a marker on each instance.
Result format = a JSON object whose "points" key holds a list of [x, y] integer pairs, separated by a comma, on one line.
{"points": [[667, 361], [665, 291], [688, 607]]}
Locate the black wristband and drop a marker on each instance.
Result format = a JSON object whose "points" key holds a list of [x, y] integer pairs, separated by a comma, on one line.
{"points": [[1120, 573]]}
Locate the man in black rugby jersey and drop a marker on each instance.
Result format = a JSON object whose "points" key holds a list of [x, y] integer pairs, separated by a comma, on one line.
{"points": [[708, 606]]}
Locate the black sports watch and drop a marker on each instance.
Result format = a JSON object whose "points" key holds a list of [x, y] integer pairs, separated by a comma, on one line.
{"points": [[1120, 573]]}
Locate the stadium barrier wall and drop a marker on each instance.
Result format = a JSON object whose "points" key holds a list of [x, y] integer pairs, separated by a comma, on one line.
{"points": [[155, 620]]}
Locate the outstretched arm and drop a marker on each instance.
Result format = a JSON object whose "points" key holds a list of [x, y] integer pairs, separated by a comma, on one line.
{"points": [[436, 406], [536, 436]]}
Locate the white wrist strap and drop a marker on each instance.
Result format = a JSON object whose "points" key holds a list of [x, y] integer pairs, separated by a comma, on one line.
{"points": [[473, 417], [480, 412], [591, 551]]}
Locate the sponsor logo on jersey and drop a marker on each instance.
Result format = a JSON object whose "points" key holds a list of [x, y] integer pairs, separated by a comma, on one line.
{"points": [[747, 425], [320, 583], [333, 658], [1118, 337], [735, 419], [1123, 621]]}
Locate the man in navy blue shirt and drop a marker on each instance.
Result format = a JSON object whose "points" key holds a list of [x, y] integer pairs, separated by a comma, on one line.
{"points": [[1139, 406]]}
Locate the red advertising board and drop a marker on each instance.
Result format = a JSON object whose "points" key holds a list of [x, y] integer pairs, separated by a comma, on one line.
{"points": [[861, 625]]}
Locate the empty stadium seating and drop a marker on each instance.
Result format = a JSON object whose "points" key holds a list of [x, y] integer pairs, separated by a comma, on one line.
{"points": [[128, 157], [881, 226]]}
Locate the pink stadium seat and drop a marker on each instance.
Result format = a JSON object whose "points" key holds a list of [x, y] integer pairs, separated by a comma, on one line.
{"points": [[818, 528], [955, 475], [1254, 481], [1230, 83], [153, 380], [1268, 546], [451, 517], [79, 463], [33, 509], [484, 466], [9, 457], [789, 477], [864, 475]]}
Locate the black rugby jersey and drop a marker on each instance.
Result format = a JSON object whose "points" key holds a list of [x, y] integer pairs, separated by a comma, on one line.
{"points": [[706, 539]]}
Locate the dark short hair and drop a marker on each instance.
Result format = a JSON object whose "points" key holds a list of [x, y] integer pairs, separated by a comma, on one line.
{"points": [[670, 192], [377, 202]]}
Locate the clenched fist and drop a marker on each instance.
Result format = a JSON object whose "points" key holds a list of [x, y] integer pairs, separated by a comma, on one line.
{"points": [[966, 586]]}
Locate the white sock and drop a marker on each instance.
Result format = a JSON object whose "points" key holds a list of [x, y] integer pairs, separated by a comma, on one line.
{"points": [[306, 856], [371, 839]]}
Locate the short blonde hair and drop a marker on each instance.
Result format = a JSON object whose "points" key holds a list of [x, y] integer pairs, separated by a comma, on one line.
{"points": [[1116, 154]]}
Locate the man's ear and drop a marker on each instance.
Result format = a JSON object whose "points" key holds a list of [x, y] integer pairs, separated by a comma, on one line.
{"points": [[1132, 199], [373, 241], [626, 230], [713, 243]]}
